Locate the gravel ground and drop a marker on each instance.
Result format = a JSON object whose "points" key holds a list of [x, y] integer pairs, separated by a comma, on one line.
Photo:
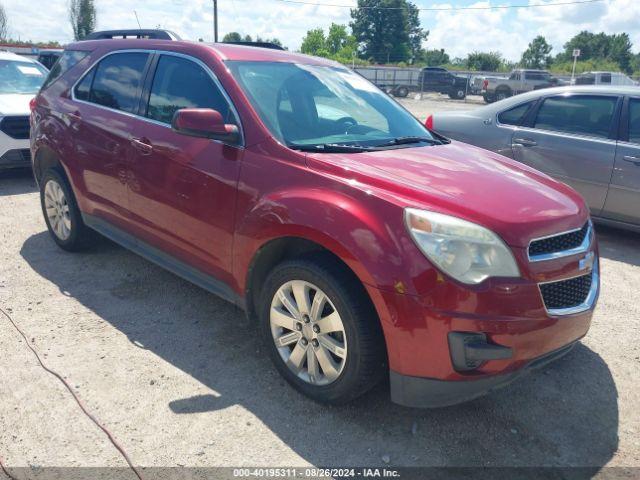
{"points": [[180, 378]]}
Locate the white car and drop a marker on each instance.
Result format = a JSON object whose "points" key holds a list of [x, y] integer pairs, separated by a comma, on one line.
{"points": [[20, 80]]}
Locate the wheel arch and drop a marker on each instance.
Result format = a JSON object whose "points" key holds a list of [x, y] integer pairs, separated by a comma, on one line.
{"points": [[45, 158]]}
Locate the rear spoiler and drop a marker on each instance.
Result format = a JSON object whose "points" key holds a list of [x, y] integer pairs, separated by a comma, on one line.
{"points": [[271, 45]]}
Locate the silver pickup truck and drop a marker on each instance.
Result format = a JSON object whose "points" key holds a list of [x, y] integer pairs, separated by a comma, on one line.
{"points": [[520, 81]]}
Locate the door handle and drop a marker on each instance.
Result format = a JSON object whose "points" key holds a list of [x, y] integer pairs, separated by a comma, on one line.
{"points": [[634, 160], [525, 142], [142, 145]]}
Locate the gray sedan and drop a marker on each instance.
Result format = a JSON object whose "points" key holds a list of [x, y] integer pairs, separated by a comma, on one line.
{"points": [[587, 137]]}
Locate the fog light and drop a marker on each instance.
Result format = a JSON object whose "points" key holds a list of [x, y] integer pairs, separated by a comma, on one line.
{"points": [[469, 350]]}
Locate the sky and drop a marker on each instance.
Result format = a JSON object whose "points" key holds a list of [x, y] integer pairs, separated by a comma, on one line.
{"points": [[507, 31]]}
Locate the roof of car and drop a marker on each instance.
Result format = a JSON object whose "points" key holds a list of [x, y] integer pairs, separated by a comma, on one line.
{"points": [[223, 51], [15, 57]]}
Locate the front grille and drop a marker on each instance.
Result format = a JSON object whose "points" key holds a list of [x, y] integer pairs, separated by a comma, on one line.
{"points": [[17, 158], [566, 293], [558, 243], [16, 127]]}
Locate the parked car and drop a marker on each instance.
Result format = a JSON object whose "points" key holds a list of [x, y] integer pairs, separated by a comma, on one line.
{"points": [[587, 137], [48, 57], [363, 245], [20, 79], [441, 80], [519, 81], [603, 78]]}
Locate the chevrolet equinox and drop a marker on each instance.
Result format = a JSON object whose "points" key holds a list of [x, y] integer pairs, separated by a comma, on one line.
{"points": [[363, 244]]}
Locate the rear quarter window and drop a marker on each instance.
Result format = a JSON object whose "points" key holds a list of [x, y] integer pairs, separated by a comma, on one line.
{"points": [[515, 115], [67, 60]]}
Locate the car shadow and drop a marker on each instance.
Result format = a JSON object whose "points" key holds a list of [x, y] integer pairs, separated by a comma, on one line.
{"points": [[563, 415], [619, 245], [16, 182]]}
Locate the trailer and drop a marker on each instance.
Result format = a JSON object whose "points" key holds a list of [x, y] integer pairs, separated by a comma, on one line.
{"points": [[394, 80]]}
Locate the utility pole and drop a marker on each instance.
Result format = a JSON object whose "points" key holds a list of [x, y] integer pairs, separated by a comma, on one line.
{"points": [[215, 21]]}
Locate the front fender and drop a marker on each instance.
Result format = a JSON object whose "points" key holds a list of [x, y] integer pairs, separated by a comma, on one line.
{"points": [[369, 237]]}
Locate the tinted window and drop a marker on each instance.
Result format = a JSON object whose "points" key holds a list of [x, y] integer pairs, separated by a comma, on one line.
{"points": [[84, 87], [634, 121], [180, 83], [514, 115], [117, 81], [605, 78], [67, 60], [583, 115], [537, 76]]}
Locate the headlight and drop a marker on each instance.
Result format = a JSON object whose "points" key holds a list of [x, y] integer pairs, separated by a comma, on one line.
{"points": [[466, 251]]}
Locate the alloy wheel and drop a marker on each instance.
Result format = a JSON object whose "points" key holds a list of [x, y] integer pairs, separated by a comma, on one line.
{"points": [[308, 332], [57, 210]]}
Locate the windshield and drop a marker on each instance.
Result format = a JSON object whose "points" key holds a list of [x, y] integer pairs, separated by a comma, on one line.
{"points": [[21, 77], [308, 105]]}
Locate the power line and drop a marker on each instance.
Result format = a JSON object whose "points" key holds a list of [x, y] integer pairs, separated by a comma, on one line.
{"points": [[445, 9]]}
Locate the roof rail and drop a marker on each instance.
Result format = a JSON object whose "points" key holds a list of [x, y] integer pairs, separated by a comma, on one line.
{"points": [[271, 45], [136, 33]]}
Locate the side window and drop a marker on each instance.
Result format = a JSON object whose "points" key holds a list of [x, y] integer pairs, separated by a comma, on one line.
{"points": [[582, 115], [634, 120], [117, 81], [67, 60], [605, 78], [514, 115], [83, 89], [180, 83]]}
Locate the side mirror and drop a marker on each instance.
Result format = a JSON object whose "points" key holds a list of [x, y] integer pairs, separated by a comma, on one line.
{"points": [[204, 123]]}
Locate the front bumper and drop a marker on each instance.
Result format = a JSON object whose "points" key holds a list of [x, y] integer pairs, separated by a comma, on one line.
{"points": [[433, 393]]}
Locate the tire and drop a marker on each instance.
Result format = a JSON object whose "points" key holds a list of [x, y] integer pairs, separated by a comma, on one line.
{"points": [[64, 221], [401, 92], [502, 93], [361, 343], [488, 98], [457, 94]]}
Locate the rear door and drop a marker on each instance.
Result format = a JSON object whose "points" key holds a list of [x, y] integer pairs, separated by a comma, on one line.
{"points": [[101, 116], [572, 138], [623, 199], [183, 188]]}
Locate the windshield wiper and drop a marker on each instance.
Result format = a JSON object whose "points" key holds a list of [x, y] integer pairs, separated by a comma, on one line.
{"points": [[407, 140], [330, 148]]}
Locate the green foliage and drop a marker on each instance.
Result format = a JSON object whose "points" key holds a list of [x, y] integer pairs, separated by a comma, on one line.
{"points": [[82, 14], [232, 37], [388, 30], [337, 44], [615, 48], [537, 54], [4, 24], [585, 66], [435, 58], [484, 61]]}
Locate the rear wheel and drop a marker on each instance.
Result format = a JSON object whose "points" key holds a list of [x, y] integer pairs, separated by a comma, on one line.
{"points": [[457, 94], [502, 93], [61, 212], [401, 92], [321, 330], [488, 98]]}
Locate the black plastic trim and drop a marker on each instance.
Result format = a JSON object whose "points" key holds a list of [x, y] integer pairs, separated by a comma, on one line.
{"points": [[177, 267], [420, 392]]}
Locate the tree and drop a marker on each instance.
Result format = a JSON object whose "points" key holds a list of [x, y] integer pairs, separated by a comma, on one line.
{"points": [[434, 58], [488, 62], [232, 37], [337, 38], [387, 30], [315, 43], [82, 14], [4, 24], [615, 48], [537, 54]]}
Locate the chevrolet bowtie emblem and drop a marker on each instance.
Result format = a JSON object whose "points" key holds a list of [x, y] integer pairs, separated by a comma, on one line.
{"points": [[587, 262]]}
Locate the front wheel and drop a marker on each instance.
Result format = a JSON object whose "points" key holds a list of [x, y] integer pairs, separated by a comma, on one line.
{"points": [[321, 330]]}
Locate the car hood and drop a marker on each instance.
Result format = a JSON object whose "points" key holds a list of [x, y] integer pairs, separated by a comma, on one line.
{"points": [[516, 201], [15, 103]]}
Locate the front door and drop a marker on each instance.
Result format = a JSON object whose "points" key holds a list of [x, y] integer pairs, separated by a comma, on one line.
{"points": [[183, 188], [571, 138], [623, 199]]}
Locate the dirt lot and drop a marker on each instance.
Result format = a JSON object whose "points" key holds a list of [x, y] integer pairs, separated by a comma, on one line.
{"points": [[180, 378]]}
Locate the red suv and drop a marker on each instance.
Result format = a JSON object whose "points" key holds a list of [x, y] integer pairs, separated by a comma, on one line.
{"points": [[363, 244]]}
